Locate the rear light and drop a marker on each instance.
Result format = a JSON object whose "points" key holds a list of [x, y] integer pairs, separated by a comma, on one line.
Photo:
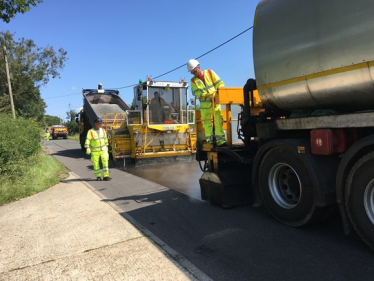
{"points": [[328, 141], [321, 142]]}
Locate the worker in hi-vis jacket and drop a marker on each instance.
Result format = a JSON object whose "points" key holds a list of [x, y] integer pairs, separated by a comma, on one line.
{"points": [[97, 146], [203, 83]]}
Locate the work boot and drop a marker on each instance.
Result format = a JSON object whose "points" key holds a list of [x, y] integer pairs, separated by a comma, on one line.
{"points": [[207, 144], [107, 178], [98, 178]]}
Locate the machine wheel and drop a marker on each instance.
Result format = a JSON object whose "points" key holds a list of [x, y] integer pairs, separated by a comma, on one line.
{"points": [[82, 140], [360, 198], [286, 188]]}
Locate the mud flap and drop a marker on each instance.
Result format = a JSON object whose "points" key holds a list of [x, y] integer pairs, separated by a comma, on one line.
{"points": [[227, 189]]}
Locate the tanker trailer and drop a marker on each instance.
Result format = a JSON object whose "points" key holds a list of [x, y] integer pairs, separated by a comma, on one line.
{"points": [[312, 149]]}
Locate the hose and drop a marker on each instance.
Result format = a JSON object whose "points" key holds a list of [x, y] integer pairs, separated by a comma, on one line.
{"points": [[203, 169], [198, 149]]}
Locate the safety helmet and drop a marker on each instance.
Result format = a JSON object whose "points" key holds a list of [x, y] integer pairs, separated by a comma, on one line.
{"points": [[98, 120], [191, 64]]}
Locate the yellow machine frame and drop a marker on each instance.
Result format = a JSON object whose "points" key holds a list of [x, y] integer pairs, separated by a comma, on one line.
{"points": [[227, 96], [133, 137]]}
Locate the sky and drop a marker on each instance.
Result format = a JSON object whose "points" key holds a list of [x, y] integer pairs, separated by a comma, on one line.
{"points": [[118, 42]]}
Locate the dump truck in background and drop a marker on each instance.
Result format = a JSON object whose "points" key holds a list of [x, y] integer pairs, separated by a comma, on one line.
{"points": [[105, 104], [59, 131], [134, 133], [311, 147]]}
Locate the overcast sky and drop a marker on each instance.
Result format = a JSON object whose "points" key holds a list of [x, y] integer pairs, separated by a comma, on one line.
{"points": [[118, 42]]}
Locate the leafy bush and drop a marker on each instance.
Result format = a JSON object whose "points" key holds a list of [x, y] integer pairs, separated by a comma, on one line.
{"points": [[19, 139]]}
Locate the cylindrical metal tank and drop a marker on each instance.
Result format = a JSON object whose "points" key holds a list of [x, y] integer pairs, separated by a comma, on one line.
{"points": [[315, 54]]}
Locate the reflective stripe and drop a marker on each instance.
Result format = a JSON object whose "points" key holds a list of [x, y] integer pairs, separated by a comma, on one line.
{"points": [[98, 146], [217, 82]]}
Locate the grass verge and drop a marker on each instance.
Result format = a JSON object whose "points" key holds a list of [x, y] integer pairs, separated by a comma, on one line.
{"points": [[39, 173], [74, 137]]}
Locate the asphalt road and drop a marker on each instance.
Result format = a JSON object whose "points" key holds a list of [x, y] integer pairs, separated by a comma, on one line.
{"points": [[242, 243]]}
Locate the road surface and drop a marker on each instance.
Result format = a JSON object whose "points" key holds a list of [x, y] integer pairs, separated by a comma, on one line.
{"points": [[242, 243]]}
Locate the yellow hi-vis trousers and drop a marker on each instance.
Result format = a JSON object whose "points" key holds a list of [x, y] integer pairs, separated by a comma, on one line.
{"points": [[206, 114], [95, 158]]}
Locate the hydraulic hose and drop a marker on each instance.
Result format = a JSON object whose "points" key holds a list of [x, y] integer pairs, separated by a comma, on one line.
{"points": [[198, 151]]}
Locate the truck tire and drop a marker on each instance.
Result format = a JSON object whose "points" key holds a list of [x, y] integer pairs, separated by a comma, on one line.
{"points": [[82, 140], [359, 198], [286, 188]]}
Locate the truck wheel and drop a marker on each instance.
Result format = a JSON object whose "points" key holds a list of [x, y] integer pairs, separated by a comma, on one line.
{"points": [[286, 188], [360, 198], [82, 140]]}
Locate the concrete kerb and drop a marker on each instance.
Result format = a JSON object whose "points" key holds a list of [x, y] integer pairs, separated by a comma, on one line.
{"points": [[188, 266]]}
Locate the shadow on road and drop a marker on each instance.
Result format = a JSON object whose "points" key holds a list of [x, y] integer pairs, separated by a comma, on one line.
{"points": [[79, 154], [71, 153], [79, 180], [156, 197]]}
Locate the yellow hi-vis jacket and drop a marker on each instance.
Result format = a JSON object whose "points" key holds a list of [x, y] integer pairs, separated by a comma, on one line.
{"points": [[96, 140], [201, 88]]}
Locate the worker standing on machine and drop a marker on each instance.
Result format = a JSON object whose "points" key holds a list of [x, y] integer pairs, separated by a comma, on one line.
{"points": [[97, 145], [207, 82]]}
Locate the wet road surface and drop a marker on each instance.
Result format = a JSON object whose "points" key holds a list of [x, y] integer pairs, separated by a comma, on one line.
{"points": [[242, 243], [182, 177]]}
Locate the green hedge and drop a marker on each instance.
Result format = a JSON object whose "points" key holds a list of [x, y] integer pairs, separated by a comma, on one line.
{"points": [[19, 139]]}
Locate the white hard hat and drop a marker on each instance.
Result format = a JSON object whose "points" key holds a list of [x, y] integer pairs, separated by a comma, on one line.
{"points": [[192, 64]]}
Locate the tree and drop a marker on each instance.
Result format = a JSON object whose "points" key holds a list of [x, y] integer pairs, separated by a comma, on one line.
{"points": [[51, 120], [9, 8], [71, 123], [30, 68]]}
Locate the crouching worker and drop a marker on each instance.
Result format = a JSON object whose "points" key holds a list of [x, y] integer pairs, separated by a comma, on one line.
{"points": [[97, 145]]}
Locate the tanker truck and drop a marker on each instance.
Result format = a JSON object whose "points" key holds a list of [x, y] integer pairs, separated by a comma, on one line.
{"points": [[307, 146]]}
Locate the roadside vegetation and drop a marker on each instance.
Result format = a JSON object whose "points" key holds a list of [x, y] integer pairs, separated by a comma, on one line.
{"points": [[24, 168], [74, 137]]}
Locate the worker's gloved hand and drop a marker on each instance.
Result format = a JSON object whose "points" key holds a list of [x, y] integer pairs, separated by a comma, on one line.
{"points": [[88, 151]]}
